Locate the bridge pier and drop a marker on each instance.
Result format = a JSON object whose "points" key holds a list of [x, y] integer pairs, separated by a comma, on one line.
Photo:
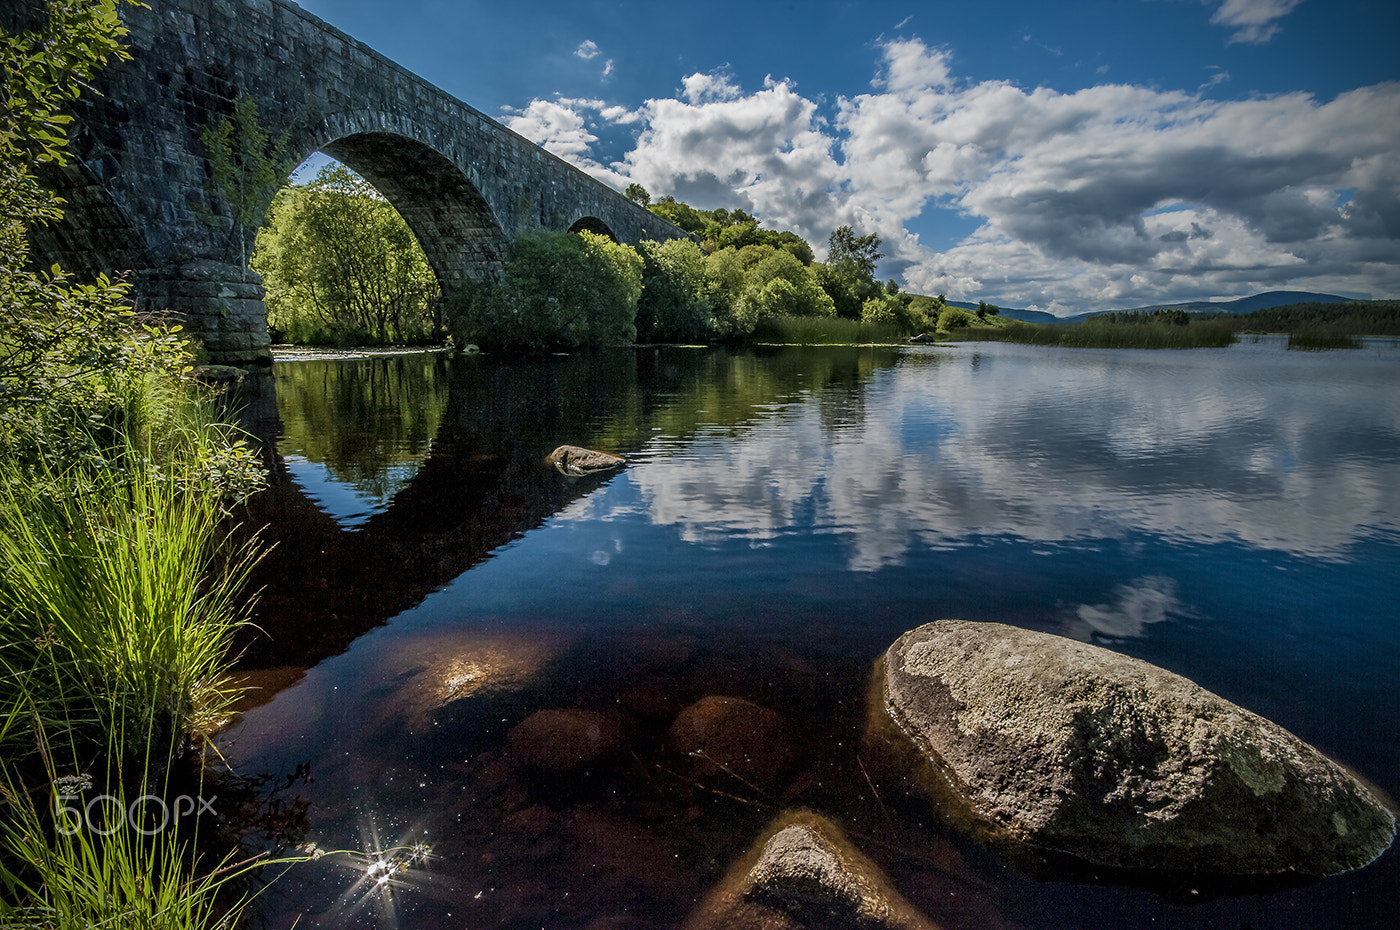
{"points": [[217, 302]]}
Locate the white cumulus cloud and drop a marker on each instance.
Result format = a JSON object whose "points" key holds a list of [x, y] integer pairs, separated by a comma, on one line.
{"points": [[1111, 195]]}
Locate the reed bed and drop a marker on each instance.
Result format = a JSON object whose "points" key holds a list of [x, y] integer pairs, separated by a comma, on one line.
{"points": [[821, 330], [1103, 335]]}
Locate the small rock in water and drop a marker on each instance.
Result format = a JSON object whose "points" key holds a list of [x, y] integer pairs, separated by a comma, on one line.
{"points": [[804, 874], [575, 461], [1034, 742], [734, 741]]}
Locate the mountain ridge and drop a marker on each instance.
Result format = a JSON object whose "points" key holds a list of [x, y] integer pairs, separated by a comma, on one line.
{"points": [[1240, 305]]}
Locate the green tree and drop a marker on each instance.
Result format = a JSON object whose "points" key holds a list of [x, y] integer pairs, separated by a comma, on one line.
{"points": [[678, 298], [339, 263], [849, 275], [852, 255], [247, 165], [559, 290], [637, 194]]}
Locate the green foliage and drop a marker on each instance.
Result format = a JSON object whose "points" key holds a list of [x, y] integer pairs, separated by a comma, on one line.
{"points": [[42, 72], [119, 604], [776, 284], [729, 229], [58, 338], [637, 194], [559, 290], [1098, 333], [246, 167], [340, 265], [678, 302], [924, 312], [954, 318], [884, 311], [116, 599], [848, 276], [853, 256], [1161, 317]]}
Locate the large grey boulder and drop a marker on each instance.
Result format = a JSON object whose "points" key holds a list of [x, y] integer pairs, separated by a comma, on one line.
{"points": [[1037, 743], [803, 874]]}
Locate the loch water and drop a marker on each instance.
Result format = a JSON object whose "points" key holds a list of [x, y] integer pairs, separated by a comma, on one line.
{"points": [[1232, 515]]}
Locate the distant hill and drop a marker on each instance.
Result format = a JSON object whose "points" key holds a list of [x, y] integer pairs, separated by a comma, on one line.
{"points": [[1029, 316], [1240, 305], [1265, 301]]}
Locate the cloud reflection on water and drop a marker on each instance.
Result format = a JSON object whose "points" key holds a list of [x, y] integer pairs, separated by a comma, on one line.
{"points": [[1254, 446], [1134, 607]]}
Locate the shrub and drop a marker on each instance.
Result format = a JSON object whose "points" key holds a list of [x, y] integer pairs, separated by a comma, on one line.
{"points": [[951, 318], [883, 311], [559, 290], [678, 297]]}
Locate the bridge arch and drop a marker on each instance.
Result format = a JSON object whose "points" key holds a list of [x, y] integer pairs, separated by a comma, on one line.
{"points": [[592, 224], [435, 193]]}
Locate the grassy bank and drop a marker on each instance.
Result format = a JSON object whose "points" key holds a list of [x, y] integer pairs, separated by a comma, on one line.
{"points": [[118, 601]]}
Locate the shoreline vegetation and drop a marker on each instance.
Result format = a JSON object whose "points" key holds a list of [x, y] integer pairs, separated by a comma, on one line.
{"points": [[119, 589], [733, 282], [1309, 326]]}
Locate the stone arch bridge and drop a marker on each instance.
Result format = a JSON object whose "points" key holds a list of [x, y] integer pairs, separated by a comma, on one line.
{"points": [[140, 201]]}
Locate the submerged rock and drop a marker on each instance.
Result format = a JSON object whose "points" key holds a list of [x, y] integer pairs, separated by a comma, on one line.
{"points": [[803, 874], [733, 738], [573, 460], [555, 742], [1037, 743]]}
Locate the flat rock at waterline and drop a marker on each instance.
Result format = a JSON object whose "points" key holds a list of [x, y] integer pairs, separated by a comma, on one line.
{"points": [[803, 874], [1048, 744], [573, 460]]}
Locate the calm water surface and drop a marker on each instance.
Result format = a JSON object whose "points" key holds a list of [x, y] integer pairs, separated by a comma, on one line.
{"points": [[1232, 515]]}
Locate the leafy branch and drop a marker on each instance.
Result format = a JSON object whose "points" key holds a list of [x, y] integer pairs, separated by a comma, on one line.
{"points": [[247, 165]]}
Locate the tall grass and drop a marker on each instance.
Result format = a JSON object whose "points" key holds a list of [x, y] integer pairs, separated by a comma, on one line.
{"points": [[119, 598], [822, 330], [1316, 339], [62, 869]]}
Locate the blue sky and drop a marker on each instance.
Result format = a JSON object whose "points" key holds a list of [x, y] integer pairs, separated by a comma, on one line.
{"points": [[1061, 156]]}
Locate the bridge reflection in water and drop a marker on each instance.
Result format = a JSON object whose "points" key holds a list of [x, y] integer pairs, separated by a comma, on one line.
{"points": [[471, 438]]}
